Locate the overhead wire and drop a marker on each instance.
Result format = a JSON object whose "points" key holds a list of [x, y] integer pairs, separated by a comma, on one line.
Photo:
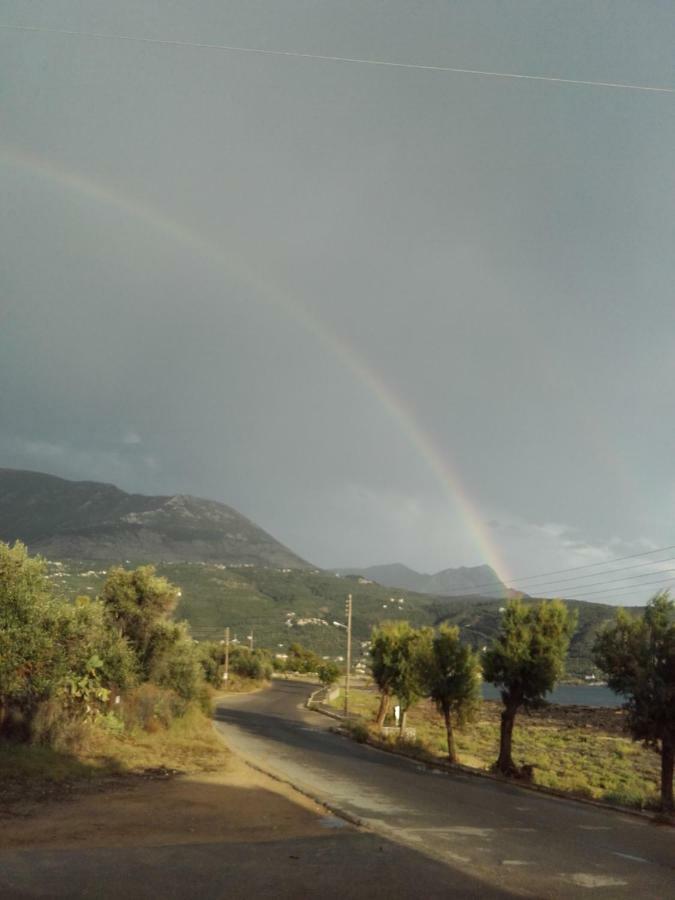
{"points": [[355, 60]]}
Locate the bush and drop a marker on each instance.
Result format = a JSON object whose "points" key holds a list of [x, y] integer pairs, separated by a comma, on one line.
{"points": [[358, 730], [151, 708], [56, 726], [255, 664], [212, 660], [328, 673], [302, 660], [179, 670]]}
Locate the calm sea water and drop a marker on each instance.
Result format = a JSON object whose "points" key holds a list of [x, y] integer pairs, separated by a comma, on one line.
{"points": [[570, 694]]}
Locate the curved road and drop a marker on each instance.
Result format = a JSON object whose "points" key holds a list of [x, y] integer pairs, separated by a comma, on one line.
{"points": [[508, 841]]}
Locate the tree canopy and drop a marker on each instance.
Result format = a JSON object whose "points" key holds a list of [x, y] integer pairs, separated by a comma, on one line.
{"points": [[638, 656], [525, 661]]}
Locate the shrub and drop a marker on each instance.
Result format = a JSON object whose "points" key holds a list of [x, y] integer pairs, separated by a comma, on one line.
{"points": [[255, 664], [212, 660], [357, 730], [178, 669], [151, 708], [328, 673]]}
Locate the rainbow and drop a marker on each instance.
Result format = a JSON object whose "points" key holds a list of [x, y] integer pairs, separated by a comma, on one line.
{"points": [[444, 471]]}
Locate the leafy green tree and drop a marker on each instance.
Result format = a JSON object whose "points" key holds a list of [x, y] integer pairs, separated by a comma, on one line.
{"points": [[176, 665], [302, 660], [51, 651], [525, 661], [97, 659], [395, 649], [638, 656], [451, 678], [140, 603], [31, 663], [384, 661], [408, 680], [212, 660], [328, 672], [255, 664]]}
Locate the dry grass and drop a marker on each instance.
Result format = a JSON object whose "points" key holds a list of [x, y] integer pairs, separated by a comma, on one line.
{"points": [[584, 752], [31, 774]]}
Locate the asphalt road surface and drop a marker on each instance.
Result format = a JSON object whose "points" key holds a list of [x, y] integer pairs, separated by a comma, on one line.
{"points": [[491, 839]]}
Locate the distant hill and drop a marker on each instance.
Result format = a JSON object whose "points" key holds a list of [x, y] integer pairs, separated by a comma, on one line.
{"points": [[65, 519], [279, 607], [480, 580]]}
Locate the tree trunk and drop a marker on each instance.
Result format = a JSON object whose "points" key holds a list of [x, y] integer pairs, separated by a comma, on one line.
{"points": [[383, 710], [452, 751], [505, 763], [667, 760], [404, 713]]}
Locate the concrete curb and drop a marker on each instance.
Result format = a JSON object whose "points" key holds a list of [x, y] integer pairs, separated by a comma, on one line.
{"points": [[318, 706], [447, 769]]}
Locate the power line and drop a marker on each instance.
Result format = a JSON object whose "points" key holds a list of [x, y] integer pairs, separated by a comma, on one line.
{"points": [[659, 581], [517, 580], [363, 61], [580, 587]]}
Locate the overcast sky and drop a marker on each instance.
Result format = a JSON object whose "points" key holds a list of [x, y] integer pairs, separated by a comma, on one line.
{"points": [[309, 288]]}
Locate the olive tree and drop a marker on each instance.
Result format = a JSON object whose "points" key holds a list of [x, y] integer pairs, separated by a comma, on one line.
{"points": [[385, 642], [451, 678], [525, 661], [139, 604], [31, 662], [638, 656]]}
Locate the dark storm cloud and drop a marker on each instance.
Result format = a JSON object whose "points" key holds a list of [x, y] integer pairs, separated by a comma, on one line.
{"points": [[492, 255]]}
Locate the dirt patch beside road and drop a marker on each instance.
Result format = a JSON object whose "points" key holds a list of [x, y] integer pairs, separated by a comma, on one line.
{"points": [[236, 804]]}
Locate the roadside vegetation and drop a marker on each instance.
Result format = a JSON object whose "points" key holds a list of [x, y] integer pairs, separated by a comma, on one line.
{"points": [[307, 607], [429, 672], [102, 686]]}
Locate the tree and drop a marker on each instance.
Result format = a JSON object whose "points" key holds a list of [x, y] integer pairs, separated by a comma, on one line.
{"points": [[53, 654], [302, 660], [31, 661], [525, 661], [328, 672], [384, 661], [408, 682], [451, 677], [638, 656], [140, 603]]}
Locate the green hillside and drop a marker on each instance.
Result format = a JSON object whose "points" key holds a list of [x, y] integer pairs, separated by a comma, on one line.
{"points": [[282, 606]]}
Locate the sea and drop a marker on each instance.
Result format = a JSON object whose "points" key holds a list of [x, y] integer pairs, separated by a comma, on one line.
{"points": [[570, 695]]}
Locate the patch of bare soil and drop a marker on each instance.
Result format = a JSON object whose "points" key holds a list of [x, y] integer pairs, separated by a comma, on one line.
{"points": [[236, 804]]}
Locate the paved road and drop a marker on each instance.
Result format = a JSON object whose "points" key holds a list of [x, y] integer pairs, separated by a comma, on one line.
{"points": [[499, 836]]}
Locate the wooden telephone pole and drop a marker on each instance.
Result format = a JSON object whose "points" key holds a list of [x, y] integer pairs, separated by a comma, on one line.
{"points": [[226, 673], [349, 651]]}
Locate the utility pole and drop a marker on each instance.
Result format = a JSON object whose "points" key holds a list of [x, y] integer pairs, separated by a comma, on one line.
{"points": [[226, 673], [250, 639], [349, 651]]}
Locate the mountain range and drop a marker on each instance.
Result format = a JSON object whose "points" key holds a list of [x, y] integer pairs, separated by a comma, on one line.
{"points": [[64, 519], [479, 580]]}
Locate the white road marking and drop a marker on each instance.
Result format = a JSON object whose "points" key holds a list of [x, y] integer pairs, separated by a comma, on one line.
{"points": [[640, 859], [469, 831], [455, 857], [516, 862], [586, 880]]}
